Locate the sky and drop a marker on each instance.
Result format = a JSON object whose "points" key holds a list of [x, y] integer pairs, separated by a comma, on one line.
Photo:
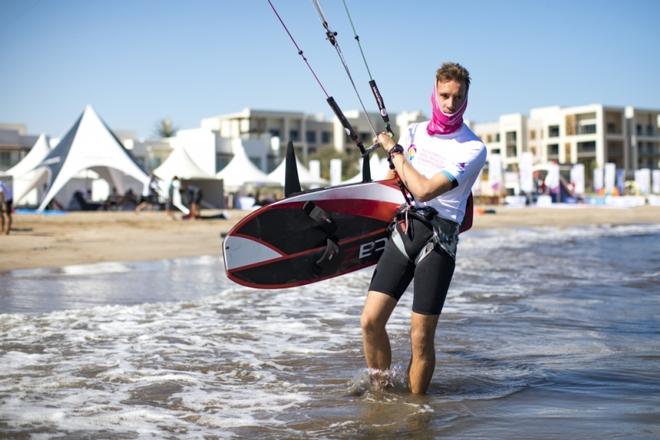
{"points": [[139, 61]]}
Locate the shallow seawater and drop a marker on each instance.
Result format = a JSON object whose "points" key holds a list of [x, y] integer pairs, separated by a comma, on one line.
{"points": [[546, 333]]}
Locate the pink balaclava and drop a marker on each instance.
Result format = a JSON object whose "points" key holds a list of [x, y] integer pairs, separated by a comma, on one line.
{"points": [[441, 122]]}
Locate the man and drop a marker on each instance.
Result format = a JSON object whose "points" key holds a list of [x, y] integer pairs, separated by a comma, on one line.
{"points": [[173, 197], [438, 161], [6, 202]]}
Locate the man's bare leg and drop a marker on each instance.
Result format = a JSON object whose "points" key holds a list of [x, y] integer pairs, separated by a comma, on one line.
{"points": [[422, 360], [376, 343]]}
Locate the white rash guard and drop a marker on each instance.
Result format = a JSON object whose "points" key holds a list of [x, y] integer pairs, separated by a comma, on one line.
{"points": [[459, 155]]}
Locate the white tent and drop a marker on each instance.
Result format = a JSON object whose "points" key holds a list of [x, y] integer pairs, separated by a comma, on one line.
{"points": [[378, 167], [240, 170], [306, 178], [89, 144], [38, 151], [23, 173], [180, 164]]}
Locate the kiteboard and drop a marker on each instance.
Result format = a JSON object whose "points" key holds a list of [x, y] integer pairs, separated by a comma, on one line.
{"points": [[312, 236]]}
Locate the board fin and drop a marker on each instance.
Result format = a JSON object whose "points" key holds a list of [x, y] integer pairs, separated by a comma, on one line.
{"points": [[291, 179], [366, 168]]}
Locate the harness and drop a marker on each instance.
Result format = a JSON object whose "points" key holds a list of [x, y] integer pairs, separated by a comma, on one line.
{"points": [[444, 232]]}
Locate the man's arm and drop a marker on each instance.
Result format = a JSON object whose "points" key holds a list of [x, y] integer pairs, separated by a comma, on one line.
{"points": [[421, 187]]}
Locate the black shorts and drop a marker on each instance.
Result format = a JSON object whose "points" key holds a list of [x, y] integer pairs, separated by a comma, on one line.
{"points": [[8, 204], [432, 275]]}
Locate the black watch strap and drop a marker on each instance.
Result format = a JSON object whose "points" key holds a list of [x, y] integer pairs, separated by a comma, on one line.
{"points": [[395, 149]]}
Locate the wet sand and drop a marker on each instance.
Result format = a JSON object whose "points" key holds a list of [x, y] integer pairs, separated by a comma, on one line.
{"points": [[88, 237]]}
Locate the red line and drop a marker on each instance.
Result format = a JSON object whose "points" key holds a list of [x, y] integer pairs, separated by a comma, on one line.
{"points": [[297, 283], [301, 254]]}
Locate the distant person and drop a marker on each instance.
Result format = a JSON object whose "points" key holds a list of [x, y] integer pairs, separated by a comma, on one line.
{"points": [[173, 197], [195, 200], [129, 201], [6, 206], [149, 194], [112, 201]]}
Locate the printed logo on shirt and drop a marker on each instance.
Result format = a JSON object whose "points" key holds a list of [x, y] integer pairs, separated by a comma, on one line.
{"points": [[412, 150]]}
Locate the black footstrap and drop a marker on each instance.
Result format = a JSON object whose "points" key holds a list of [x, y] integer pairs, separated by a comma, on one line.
{"points": [[325, 223], [320, 217]]}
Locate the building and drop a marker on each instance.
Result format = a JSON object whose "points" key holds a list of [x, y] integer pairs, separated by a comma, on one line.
{"points": [[307, 132], [592, 135], [15, 143]]}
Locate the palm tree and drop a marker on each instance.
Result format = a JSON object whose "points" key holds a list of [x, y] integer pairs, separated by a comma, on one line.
{"points": [[165, 128]]}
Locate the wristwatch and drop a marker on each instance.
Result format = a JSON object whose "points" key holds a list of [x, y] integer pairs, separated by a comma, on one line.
{"points": [[397, 149]]}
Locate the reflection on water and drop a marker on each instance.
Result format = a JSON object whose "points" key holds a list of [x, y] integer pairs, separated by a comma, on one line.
{"points": [[544, 328]]}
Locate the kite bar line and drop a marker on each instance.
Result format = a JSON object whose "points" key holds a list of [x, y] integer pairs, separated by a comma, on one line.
{"points": [[350, 131], [372, 82]]}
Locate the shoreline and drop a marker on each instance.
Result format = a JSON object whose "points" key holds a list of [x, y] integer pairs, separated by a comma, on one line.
{"points": [[44, 241]]}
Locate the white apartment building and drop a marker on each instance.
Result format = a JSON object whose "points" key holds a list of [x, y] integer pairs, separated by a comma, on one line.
{"points": [[307, 132], [592, 135]]}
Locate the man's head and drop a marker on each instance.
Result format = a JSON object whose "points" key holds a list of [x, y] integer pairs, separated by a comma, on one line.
{"points": [[452, 82]]}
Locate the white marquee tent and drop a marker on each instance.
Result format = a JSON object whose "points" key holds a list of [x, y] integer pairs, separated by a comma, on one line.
{"points": [[306, 178], [88, 145], [23, 173], [240, 170], [180, 164], [378, 167]]}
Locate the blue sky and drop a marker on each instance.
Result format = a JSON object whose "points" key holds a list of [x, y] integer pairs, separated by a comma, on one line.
{"points": [[138, 61]]}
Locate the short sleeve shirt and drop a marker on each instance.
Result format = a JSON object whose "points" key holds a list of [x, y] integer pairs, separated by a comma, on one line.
{"points": [[459, 155]]}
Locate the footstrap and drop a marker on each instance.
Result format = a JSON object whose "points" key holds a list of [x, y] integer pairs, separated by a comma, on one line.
{"points": [[320, 217]]}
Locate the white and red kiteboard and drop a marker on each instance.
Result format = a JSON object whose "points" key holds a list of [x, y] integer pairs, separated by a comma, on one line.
{"points": [[312, 236]]}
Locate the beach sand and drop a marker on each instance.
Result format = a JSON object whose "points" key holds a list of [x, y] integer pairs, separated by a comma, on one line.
{"points": [[89, 237]]}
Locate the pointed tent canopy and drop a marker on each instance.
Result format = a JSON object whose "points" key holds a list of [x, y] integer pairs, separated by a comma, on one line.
{"points": [[24, 176], [306, 178], [89, 144], [38, 151], [378, 167], [180, 164], [240, 170]]}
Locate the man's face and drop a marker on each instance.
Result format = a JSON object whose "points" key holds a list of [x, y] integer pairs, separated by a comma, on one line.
{"points": [[451, 95]]}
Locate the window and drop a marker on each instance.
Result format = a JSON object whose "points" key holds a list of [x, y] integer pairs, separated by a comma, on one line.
{"points": [[553, 150], [532, 134], [587, 129], [586, 147], [326, 137], [310, 136], [294, 135], [5, 159], [553, 131], [274, 132], [497, 137], [511, 137]]}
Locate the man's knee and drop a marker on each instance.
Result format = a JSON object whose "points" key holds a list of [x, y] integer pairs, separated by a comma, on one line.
{"points": [[422, 341], [371, 324]]}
